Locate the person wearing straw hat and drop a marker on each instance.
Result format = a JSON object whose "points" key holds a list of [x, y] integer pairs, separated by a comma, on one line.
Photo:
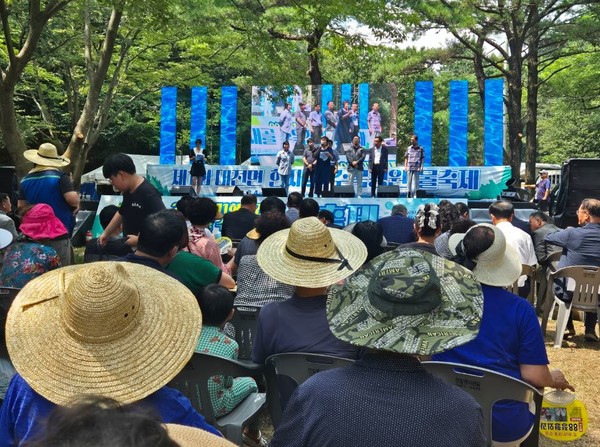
{"points": [[510, 340], [103, 329], [46, 183], [310, 257], [403, 304]]}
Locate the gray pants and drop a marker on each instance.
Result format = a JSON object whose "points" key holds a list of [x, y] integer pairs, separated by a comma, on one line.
{"points": [[412, 183], [358, 174]]}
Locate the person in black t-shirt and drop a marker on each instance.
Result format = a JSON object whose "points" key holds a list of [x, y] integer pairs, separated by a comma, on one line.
{"points": [[115, 247], [140, 198]]}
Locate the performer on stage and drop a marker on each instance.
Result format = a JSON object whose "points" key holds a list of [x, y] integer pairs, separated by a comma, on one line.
{"points": [[343, 131], [356, 157], [331, 121], [378, 164], [323, 167], [284, 162], [300, 118], [198, 171], [315, 120], [285, 122], [310, 163], [413, 164], [374, 120]]}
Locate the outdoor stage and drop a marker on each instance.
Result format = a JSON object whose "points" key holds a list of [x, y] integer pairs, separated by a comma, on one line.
{"points": [[457, 184]]}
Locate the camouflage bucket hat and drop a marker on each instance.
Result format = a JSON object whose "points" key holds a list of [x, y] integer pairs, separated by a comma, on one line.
{"points": [[407, 301]]}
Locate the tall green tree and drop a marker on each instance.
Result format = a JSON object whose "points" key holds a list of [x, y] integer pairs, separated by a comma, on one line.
{"points": [[22, 27], [505, 39]]}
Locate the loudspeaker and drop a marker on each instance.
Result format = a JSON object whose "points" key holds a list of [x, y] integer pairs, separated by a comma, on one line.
{"points": [[343, 191], [277, 192], [106, 189], [231, 191], [180, 191], [9, 183], [579, 180], [421, 194], [389, 191]]}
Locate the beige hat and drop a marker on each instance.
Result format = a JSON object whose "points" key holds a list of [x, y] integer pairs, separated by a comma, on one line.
{"points": [[46, 155], [113, 329], [499, 265], [195, 437], [309, 254]]}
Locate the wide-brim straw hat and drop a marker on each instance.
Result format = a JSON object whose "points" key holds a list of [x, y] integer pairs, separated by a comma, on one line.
{"points": [[46, 155], [40, 222], [499, 265], [407, 301], [6, 238], [113, 329], [195, 437], [309, 254]]}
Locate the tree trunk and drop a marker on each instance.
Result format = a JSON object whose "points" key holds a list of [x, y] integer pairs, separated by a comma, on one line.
{"points": [[80, 143], [314, 71], [532, 107], [10, 131]]}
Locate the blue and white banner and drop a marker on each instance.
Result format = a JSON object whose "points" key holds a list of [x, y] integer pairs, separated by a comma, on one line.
{"points": [[467, 183]]}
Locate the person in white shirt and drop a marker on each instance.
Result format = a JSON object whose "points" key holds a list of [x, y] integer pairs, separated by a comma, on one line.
{"points": [[284, 162], [502, 213]]}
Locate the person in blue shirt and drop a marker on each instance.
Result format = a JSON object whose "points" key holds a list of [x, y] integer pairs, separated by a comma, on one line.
{"points": [[112, 329], [510, 340]]}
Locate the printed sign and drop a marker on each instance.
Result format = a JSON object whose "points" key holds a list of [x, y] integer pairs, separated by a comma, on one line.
{"points": [[563, 416]]}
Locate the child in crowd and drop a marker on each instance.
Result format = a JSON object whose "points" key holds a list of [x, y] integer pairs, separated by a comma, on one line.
{"points": [[216, 303]]}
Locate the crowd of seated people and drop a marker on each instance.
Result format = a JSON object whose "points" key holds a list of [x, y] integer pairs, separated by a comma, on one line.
{"points": [[322, 290]]}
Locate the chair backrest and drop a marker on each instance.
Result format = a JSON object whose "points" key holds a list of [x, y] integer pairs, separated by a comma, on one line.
{"points": [[192, 380], [245, 319], [584, 282], [297, 366], [486, 386], [528, 271]]}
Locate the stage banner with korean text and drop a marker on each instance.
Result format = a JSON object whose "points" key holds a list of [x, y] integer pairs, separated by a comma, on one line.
{"points": [[345, 210], [467, 183]]}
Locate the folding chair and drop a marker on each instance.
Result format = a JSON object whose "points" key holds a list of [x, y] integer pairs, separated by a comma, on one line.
{"points": [[297, 366], [244, 321], [192, 382], [486, 386], [583, 281]]}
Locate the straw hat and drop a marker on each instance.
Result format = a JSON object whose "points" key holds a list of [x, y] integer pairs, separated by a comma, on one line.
{"points": [[6, 238], [113, 329], [253, 234], [407, 301], [195, 437], [46, 155], [310, 255], [499, 265], [40, 222]]}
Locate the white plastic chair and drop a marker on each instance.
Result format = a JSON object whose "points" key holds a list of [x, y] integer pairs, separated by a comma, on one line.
{"points": [[192, 382], [583, 281], [487, 387]]}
